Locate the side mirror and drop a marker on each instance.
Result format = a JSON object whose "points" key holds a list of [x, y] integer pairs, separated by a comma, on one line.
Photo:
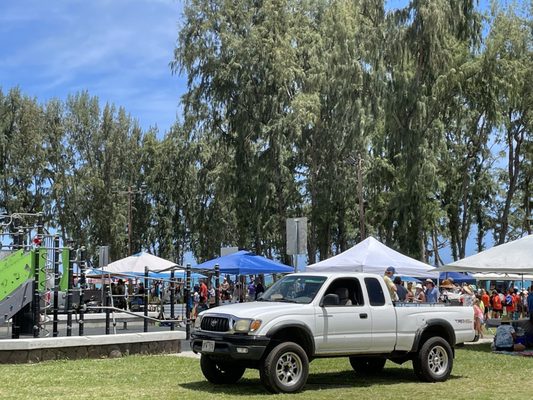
{"points": [[330, 300]]}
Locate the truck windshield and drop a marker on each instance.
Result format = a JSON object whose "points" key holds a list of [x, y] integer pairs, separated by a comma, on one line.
{"points": [[294, 289]]}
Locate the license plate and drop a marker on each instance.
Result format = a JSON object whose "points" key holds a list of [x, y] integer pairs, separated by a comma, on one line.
{"points": [[208, 346]]}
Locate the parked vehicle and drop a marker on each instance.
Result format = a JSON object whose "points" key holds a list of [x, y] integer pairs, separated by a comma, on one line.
{"points": [[306, 316]]}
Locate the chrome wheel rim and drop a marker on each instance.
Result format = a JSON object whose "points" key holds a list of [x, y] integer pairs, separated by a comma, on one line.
{"points": [[438, 360], [289, 369]]}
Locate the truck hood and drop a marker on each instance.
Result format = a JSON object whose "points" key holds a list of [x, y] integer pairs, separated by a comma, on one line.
{"points": [[260, 309]]}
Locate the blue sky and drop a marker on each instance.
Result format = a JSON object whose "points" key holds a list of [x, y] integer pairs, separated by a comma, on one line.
{"points": [[118, 50]]}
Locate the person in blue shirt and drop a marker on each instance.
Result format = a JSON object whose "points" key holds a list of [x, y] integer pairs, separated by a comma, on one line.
{"points": [[505, 337], [432, 293]]}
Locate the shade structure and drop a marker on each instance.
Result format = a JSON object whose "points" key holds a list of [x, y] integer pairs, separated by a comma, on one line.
{"points": [[372, 256], [510, 258], [137, 263], [458, 277], [245, 263], [490, 276]]}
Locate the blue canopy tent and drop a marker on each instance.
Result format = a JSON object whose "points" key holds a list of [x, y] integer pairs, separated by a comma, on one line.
{"points": [[458, 277], [245, 263]]}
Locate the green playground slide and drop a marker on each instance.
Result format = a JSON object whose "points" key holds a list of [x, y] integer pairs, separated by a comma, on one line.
{"points": [[16, 280]]}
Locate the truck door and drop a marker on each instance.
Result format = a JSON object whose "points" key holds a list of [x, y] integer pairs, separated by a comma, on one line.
{"points": [[344, 327], [383, 317]]}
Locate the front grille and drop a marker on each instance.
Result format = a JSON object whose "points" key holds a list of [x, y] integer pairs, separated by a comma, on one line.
{"points": [[215, 324]]}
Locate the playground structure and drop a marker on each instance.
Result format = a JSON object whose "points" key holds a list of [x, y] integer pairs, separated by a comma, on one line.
{"points": [[37, 284]]}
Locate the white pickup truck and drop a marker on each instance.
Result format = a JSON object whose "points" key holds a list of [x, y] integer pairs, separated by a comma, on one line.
{"points": [[305, 316]]}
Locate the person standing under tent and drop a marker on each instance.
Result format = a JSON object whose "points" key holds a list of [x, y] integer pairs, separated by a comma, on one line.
{"points": [[251, 290], [486, 302], [401, 291], [203, 291], [420, 297], [496, 305], [389, 272], [432, 293], [259, 288]]}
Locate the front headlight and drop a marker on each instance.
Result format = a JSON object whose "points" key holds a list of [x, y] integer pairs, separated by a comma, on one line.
{"points": [[198, 322], [246, 325]]}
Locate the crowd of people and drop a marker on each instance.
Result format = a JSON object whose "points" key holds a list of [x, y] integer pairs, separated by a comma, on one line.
{"points": [[245, 289], [504, 305]]}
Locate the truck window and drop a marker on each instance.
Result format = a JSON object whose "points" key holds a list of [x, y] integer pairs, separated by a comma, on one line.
{"points": [[375, 292], [348, 290]]}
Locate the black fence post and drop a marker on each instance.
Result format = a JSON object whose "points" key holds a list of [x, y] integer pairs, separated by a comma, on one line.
{"points": [[172, 298], [145, 299], [187, 296], [36, 293], [56, 285], [71, 260], [217, 285], [82, 284]]}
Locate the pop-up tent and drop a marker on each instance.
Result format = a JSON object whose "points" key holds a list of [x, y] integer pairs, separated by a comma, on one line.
{"points": [[245, 263], [458, 277], [372, 256], [137, 263], [514, 257]]}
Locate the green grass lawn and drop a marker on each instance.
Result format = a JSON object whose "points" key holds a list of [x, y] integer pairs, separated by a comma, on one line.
{"points": [[477, 374]]}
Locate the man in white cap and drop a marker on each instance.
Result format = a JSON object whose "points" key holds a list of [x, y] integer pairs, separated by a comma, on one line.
{"points": [[389, 272]]}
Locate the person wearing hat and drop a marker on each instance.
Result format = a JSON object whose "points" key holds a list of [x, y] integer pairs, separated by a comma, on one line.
{"points": [[506, 336], [432, 293], [467, 297], [420, 296], [389, 272]]}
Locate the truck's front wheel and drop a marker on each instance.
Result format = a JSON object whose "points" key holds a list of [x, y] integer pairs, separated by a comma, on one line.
{"points": [[434, 361], [367, 365], [218, 372], [285, 369]]}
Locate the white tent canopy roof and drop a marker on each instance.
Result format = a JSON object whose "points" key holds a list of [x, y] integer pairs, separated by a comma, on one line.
{"points": [[372, 256], [490, 276], [137, 262], [514, 257]]}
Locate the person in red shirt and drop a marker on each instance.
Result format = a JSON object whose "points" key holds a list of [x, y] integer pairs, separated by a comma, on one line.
{"points": [[485, 298], [496, 303], [203, 292]]}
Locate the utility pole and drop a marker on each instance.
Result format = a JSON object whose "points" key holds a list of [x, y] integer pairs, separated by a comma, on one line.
{"points": [[357, 162], [130, 193]]}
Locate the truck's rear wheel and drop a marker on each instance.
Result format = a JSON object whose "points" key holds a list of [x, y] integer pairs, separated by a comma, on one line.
{"points": [[219, 372], [285, 369], [434, 361], [367, 365]]}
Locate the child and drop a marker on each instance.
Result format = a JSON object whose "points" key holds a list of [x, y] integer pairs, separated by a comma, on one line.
{"points": [[478, 320]]}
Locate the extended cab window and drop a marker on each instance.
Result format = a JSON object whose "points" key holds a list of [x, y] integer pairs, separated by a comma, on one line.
{"points": [[375, 292], [348, 290]]}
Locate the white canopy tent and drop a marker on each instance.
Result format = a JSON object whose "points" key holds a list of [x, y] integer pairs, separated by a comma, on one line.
{"points": [[510, 258], [372, 256], [489, 276], [137, 262]]}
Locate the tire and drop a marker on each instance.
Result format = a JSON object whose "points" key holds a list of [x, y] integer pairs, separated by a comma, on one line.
{"points": [[285, 369], [367, 365], [434, 361], [218, 372]]}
